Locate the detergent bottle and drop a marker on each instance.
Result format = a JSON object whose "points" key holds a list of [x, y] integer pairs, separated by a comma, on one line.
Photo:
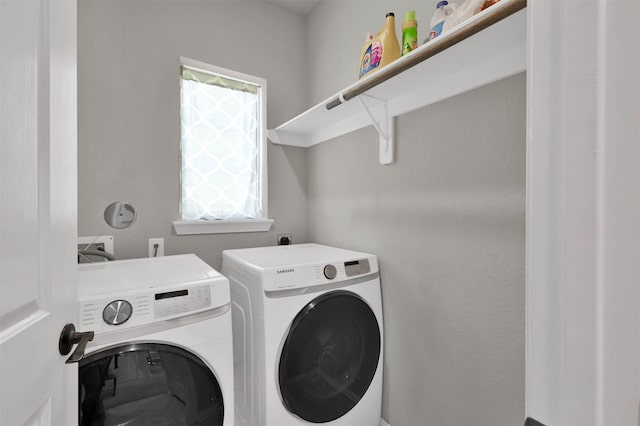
{"points": [[443, 11], [409, 32], [383, 50], [365, 54]]}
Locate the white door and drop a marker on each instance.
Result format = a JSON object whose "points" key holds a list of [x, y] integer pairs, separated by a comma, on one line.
{"points": [[37, 210], [583, 213]]}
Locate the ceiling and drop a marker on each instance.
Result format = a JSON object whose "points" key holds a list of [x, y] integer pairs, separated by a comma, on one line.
{"points": [[301, 7]]}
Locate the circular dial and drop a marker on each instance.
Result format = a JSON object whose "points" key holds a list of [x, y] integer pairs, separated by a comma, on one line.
{"points": [[330, 272], [117, 312]]}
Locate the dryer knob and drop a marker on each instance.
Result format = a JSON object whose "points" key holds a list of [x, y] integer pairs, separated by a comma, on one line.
{"points": [[117, 312], [330, 272]]}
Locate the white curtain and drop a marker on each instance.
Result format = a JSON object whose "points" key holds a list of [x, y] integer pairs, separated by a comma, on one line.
{"points": [[220, 148]]}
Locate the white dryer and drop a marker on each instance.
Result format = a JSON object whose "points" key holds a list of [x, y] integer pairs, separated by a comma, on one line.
{"points": [[162, 352], [308, 335]]}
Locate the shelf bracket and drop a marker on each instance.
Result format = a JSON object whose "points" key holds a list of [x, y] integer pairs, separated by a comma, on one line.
{"points": [[383, 123]]}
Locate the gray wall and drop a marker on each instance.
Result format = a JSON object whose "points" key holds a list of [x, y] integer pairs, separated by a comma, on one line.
{"points": [[447, 222], [128, 112]]}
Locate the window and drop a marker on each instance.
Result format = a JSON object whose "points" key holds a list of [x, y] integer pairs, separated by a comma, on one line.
{"points": [[223, 145]]}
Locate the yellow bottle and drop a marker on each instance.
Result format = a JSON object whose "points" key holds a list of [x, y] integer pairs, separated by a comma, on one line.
{"points": [[383, 50]]}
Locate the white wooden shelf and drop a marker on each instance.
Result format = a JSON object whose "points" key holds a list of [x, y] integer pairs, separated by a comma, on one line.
{"points": [[486, 48]]}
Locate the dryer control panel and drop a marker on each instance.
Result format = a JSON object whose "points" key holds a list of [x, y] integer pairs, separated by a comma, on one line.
{"points": [[357, 267], [298, 276], [352, 268], [297, 266]]}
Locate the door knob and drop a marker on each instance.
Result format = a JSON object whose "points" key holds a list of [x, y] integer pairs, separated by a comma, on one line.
{"points": [[69, 337]]}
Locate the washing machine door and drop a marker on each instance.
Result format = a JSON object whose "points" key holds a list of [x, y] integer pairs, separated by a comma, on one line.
{"points": [[330, 357], [148, 384]]}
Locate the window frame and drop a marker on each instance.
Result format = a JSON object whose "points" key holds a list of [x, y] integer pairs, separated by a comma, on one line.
{"points": [[191, 227]]}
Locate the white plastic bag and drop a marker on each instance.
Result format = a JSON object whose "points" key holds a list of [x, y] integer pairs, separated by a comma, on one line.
{"points": [[463, 11]]}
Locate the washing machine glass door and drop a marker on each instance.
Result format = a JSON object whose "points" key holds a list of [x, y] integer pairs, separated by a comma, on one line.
{"points": [[148, 384], [329, 357]]}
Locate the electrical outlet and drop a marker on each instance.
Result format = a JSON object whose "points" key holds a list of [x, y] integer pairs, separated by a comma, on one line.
{"points": [[156, 251], [284, 239]]}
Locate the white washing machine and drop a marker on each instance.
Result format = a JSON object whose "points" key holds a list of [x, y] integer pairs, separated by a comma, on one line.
{"points": [[308, 335], [162, 351]]}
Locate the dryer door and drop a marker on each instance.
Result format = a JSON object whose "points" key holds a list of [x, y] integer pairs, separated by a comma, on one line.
{"points": [[148, 384], [329, 357]]}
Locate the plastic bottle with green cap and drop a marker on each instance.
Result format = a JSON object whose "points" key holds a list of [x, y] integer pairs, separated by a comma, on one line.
{"points": [[409, 32]]}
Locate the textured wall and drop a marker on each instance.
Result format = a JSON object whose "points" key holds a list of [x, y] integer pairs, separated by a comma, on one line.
{"points": [[447, 222], [128, 114]]}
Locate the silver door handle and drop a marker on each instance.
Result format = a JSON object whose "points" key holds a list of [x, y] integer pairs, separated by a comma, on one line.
{"points": [[69, 337]]}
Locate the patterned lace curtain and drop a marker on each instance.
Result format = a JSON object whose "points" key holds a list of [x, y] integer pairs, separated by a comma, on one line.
{"points": [[220, 148]]}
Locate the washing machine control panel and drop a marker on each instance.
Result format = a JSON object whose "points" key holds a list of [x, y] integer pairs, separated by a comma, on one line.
{"points": [[143, 308], [117, 312], [176, 302]]}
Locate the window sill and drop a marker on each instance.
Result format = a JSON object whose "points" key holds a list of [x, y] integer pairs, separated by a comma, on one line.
{"points": [[194, 227]]}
